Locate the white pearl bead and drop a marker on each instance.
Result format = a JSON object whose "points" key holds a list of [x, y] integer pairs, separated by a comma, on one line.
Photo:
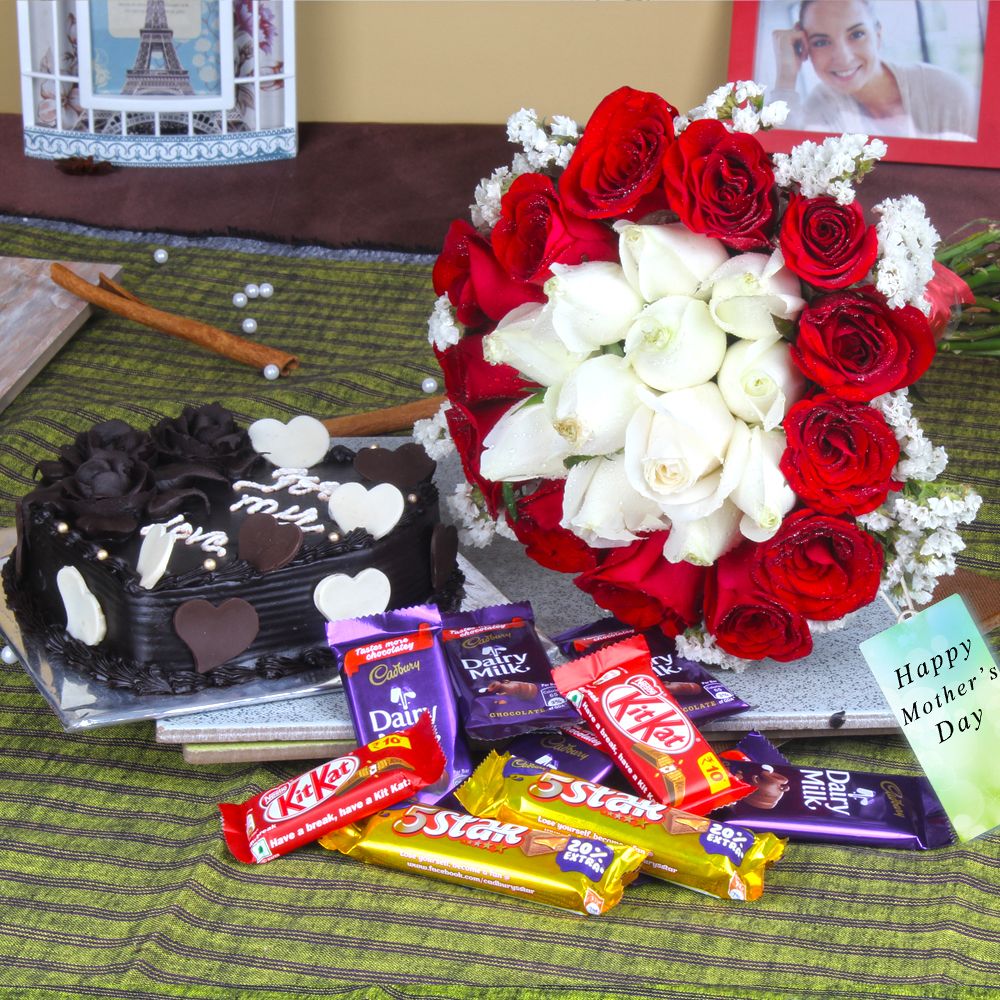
{"points": [[8, 655], [239, 300], [266, 289], [271, 372], [334, 536], [160, 256], [209, 565], [101, 554], [412, 497], [249, 325], [429, 385], [62, 527], [252, 290]]}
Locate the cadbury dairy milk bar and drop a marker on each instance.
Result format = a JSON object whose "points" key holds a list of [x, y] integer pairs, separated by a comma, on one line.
{"points": [[393, 671], [700, 696], [833, 805], [572, 750], [502, 677]]}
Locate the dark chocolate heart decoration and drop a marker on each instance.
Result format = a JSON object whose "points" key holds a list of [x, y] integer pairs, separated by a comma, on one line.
{"points": [[216, 634], [268, 544], [444, 550], [405, 467]]}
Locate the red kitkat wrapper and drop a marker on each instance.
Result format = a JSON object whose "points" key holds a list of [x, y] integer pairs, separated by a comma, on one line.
{"points": [[341, 791], [643, 729]]}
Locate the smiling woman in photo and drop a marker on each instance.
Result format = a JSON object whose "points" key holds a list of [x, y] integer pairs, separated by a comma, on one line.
{"points": [[859, 90]]}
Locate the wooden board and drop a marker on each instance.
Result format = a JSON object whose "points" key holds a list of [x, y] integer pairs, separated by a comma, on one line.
{"points": [[37, 317]]}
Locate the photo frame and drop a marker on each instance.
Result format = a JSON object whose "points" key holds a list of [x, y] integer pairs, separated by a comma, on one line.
{"points": [[158, 82], [946, 35]]}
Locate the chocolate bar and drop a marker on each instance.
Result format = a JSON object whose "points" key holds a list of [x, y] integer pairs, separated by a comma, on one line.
{"points": [[582, 873], [643, 729], [692, 851], [393, 671], [338, 792], [501, 674], [699, 694]]}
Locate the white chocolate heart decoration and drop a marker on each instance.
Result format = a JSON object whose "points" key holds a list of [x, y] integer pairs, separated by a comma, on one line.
{"points": [[84, 617], [340, 596], [300, 444], [377, 510], [154, 556]]}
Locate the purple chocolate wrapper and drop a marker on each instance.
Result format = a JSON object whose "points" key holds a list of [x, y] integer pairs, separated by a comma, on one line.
{"points": [[758, 748], [836, 806], [393, 670], [501, 675], [700, 695], [560, 750]]}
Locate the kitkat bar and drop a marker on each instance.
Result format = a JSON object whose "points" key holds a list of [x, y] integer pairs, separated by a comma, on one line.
{"points": [[643, 729], [334, 794], [700, 695]]}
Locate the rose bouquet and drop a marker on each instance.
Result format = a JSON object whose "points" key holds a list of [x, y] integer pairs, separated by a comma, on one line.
{"points": [[676, 366]]}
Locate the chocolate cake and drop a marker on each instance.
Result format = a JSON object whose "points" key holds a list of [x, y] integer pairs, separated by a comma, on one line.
{"points": [[200, 553]]}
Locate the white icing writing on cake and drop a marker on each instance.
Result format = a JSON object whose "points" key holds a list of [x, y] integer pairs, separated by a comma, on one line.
{"points": [[297, 482], [209, 541], [265, 505]]}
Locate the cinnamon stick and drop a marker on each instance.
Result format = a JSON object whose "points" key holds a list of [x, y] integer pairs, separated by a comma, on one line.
{"points": [[111, 296], [392, 418]]}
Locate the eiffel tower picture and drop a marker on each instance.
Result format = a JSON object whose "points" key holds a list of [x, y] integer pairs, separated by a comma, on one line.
{"points": [[157, 69]]}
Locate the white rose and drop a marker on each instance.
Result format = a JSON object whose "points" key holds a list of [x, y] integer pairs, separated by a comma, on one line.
{"points": [[526, 340], [595, 404], [600, 507], [666, 260], [590, 304], [759, 382], [674, 449], [761, 490], [674, 343], [701, 542], [750, 291], [524, 445]]}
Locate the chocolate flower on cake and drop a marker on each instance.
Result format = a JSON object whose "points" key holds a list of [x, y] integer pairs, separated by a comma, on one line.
{"points": [[112, 435], [108, 494], [205, 436]]}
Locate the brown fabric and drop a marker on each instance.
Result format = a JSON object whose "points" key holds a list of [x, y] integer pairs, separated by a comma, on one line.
{"points": [[386, 186], [391, 186]]}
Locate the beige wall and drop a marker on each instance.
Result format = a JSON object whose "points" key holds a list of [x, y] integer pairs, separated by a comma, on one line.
{"points": [[462, 61]]}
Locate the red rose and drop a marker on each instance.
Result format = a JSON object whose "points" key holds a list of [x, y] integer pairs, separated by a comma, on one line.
{"points": [[472, 278], [537, 528], [746, 620], [823, 567], [721, 184], [618, 163], [827, 244], [945, 291], [535, 231], [840, 455], [468, 427], [469, 378], [642, 589], [856, 347]]}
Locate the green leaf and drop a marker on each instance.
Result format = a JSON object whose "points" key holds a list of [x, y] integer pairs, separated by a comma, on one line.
{"points": [[616, 349], [537, 396], [510, 500]]}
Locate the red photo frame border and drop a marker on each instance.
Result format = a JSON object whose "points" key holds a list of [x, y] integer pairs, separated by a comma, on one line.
{"points": [[984, 152]]}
